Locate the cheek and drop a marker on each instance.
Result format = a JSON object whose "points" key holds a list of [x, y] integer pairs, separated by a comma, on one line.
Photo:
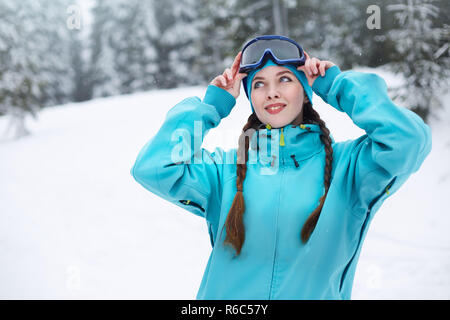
{"points": [[296, 100], [257, 100]]}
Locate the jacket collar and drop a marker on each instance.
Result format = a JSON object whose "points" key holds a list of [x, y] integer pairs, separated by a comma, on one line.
{"points": [[285, 146]]}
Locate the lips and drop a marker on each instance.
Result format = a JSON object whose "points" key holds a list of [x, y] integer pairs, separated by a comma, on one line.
{"points": [[275, 108]]}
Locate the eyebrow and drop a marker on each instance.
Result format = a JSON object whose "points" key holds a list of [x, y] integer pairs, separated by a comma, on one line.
{"points": [[279, 73]]}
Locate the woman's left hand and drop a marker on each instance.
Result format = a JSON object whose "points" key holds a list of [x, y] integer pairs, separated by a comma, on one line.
{"points": [[313, 68]]}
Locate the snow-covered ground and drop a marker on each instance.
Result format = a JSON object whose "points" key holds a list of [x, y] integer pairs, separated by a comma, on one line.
{"points": [[75, 225]]}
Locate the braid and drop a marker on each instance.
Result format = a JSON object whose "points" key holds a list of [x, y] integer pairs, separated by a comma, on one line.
{"points": [[235, 223], [311, 222]]}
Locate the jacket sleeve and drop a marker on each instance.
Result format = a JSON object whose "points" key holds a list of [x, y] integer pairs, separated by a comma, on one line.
{"points": [[396, 142], [173, 165]]}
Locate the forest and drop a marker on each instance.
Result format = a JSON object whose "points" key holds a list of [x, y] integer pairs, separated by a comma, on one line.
{"points": [[55, 52]]}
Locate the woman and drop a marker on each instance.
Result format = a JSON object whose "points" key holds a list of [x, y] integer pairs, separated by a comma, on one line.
{"points": [[288, 215]]}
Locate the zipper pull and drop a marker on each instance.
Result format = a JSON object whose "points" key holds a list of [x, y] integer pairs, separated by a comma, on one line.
{"points": [[295, 161], [282, 138], [269, 133]]}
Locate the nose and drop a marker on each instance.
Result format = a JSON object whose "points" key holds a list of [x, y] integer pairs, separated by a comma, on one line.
{"points": [[273, 93]]}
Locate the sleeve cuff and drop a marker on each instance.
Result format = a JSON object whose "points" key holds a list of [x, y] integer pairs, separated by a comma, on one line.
{"points": [[322, 85], [219, 98]]}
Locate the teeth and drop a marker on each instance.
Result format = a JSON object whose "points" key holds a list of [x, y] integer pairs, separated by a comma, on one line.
{"points": [[275, 108]]}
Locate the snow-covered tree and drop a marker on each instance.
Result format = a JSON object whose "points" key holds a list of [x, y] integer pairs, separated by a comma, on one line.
{"points": [[233, 22], [331, 30], [422, 60], [81, 84], [212, 43], [173, 39], [102, 75], [129, 42], [34, 58], [141, 45]]}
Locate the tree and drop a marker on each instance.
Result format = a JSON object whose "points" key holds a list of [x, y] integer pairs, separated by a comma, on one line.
{"points": [[132, 51], [422, 61], [102, 76], [33, 55], [81, 84], [172, 37]]}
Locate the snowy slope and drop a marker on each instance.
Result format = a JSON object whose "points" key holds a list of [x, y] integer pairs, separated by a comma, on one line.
{"points": [[75, 225]]}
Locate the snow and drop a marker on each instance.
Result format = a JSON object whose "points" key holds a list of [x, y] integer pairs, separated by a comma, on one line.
{"points": [[75, 225]]}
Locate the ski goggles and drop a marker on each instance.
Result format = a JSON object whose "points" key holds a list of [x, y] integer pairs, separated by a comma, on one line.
{"points": [[282, 49]]}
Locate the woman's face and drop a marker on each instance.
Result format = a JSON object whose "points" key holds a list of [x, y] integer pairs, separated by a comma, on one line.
{"points": [[277, 85]]}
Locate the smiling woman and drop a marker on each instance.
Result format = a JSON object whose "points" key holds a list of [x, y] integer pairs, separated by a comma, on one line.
{"points": [[294, 232], [280, 95]]}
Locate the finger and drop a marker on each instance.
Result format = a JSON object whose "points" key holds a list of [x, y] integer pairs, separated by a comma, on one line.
{"points": [[236, 62], [215, 81], [240, 76], [218, 81], [322, 68], [306, 54], [307, 66], [314, 63], [230, 74], [305, 72], [328, 65], [237, 81], [302, 68], [311, 67], [227, 74], [223, 81]]}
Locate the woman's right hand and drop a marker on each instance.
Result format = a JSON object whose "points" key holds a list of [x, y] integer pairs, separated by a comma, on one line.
{"points": [[231, 78]]}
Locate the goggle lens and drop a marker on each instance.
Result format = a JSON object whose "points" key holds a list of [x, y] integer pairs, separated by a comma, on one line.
{"points": [[282, 49]]}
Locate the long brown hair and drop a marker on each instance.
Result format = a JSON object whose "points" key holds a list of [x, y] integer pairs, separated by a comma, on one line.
{"points": [[235, 230]]}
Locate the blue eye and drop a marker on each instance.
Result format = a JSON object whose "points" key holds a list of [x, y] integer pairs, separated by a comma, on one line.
{"points": [[255, 84]]}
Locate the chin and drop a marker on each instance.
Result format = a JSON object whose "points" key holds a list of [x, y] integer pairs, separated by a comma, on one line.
{"points": [[277, 123]]}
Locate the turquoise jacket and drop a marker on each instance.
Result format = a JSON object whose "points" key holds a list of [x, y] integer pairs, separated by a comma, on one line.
{"points": [[283, 185]]}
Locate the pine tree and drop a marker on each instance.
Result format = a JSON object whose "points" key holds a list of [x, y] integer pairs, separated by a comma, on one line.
{"points": [[423, 65], [81, 85], [18, 88], [132, 51], [102, 76], [172, 38], [238, 21], [51, 49], [211, 45], [188, 51], [33, 59]]}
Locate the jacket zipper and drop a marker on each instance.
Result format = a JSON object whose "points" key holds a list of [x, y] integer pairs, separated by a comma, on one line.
{"points": [[295, 161], [276, 238], [282, 144]]}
